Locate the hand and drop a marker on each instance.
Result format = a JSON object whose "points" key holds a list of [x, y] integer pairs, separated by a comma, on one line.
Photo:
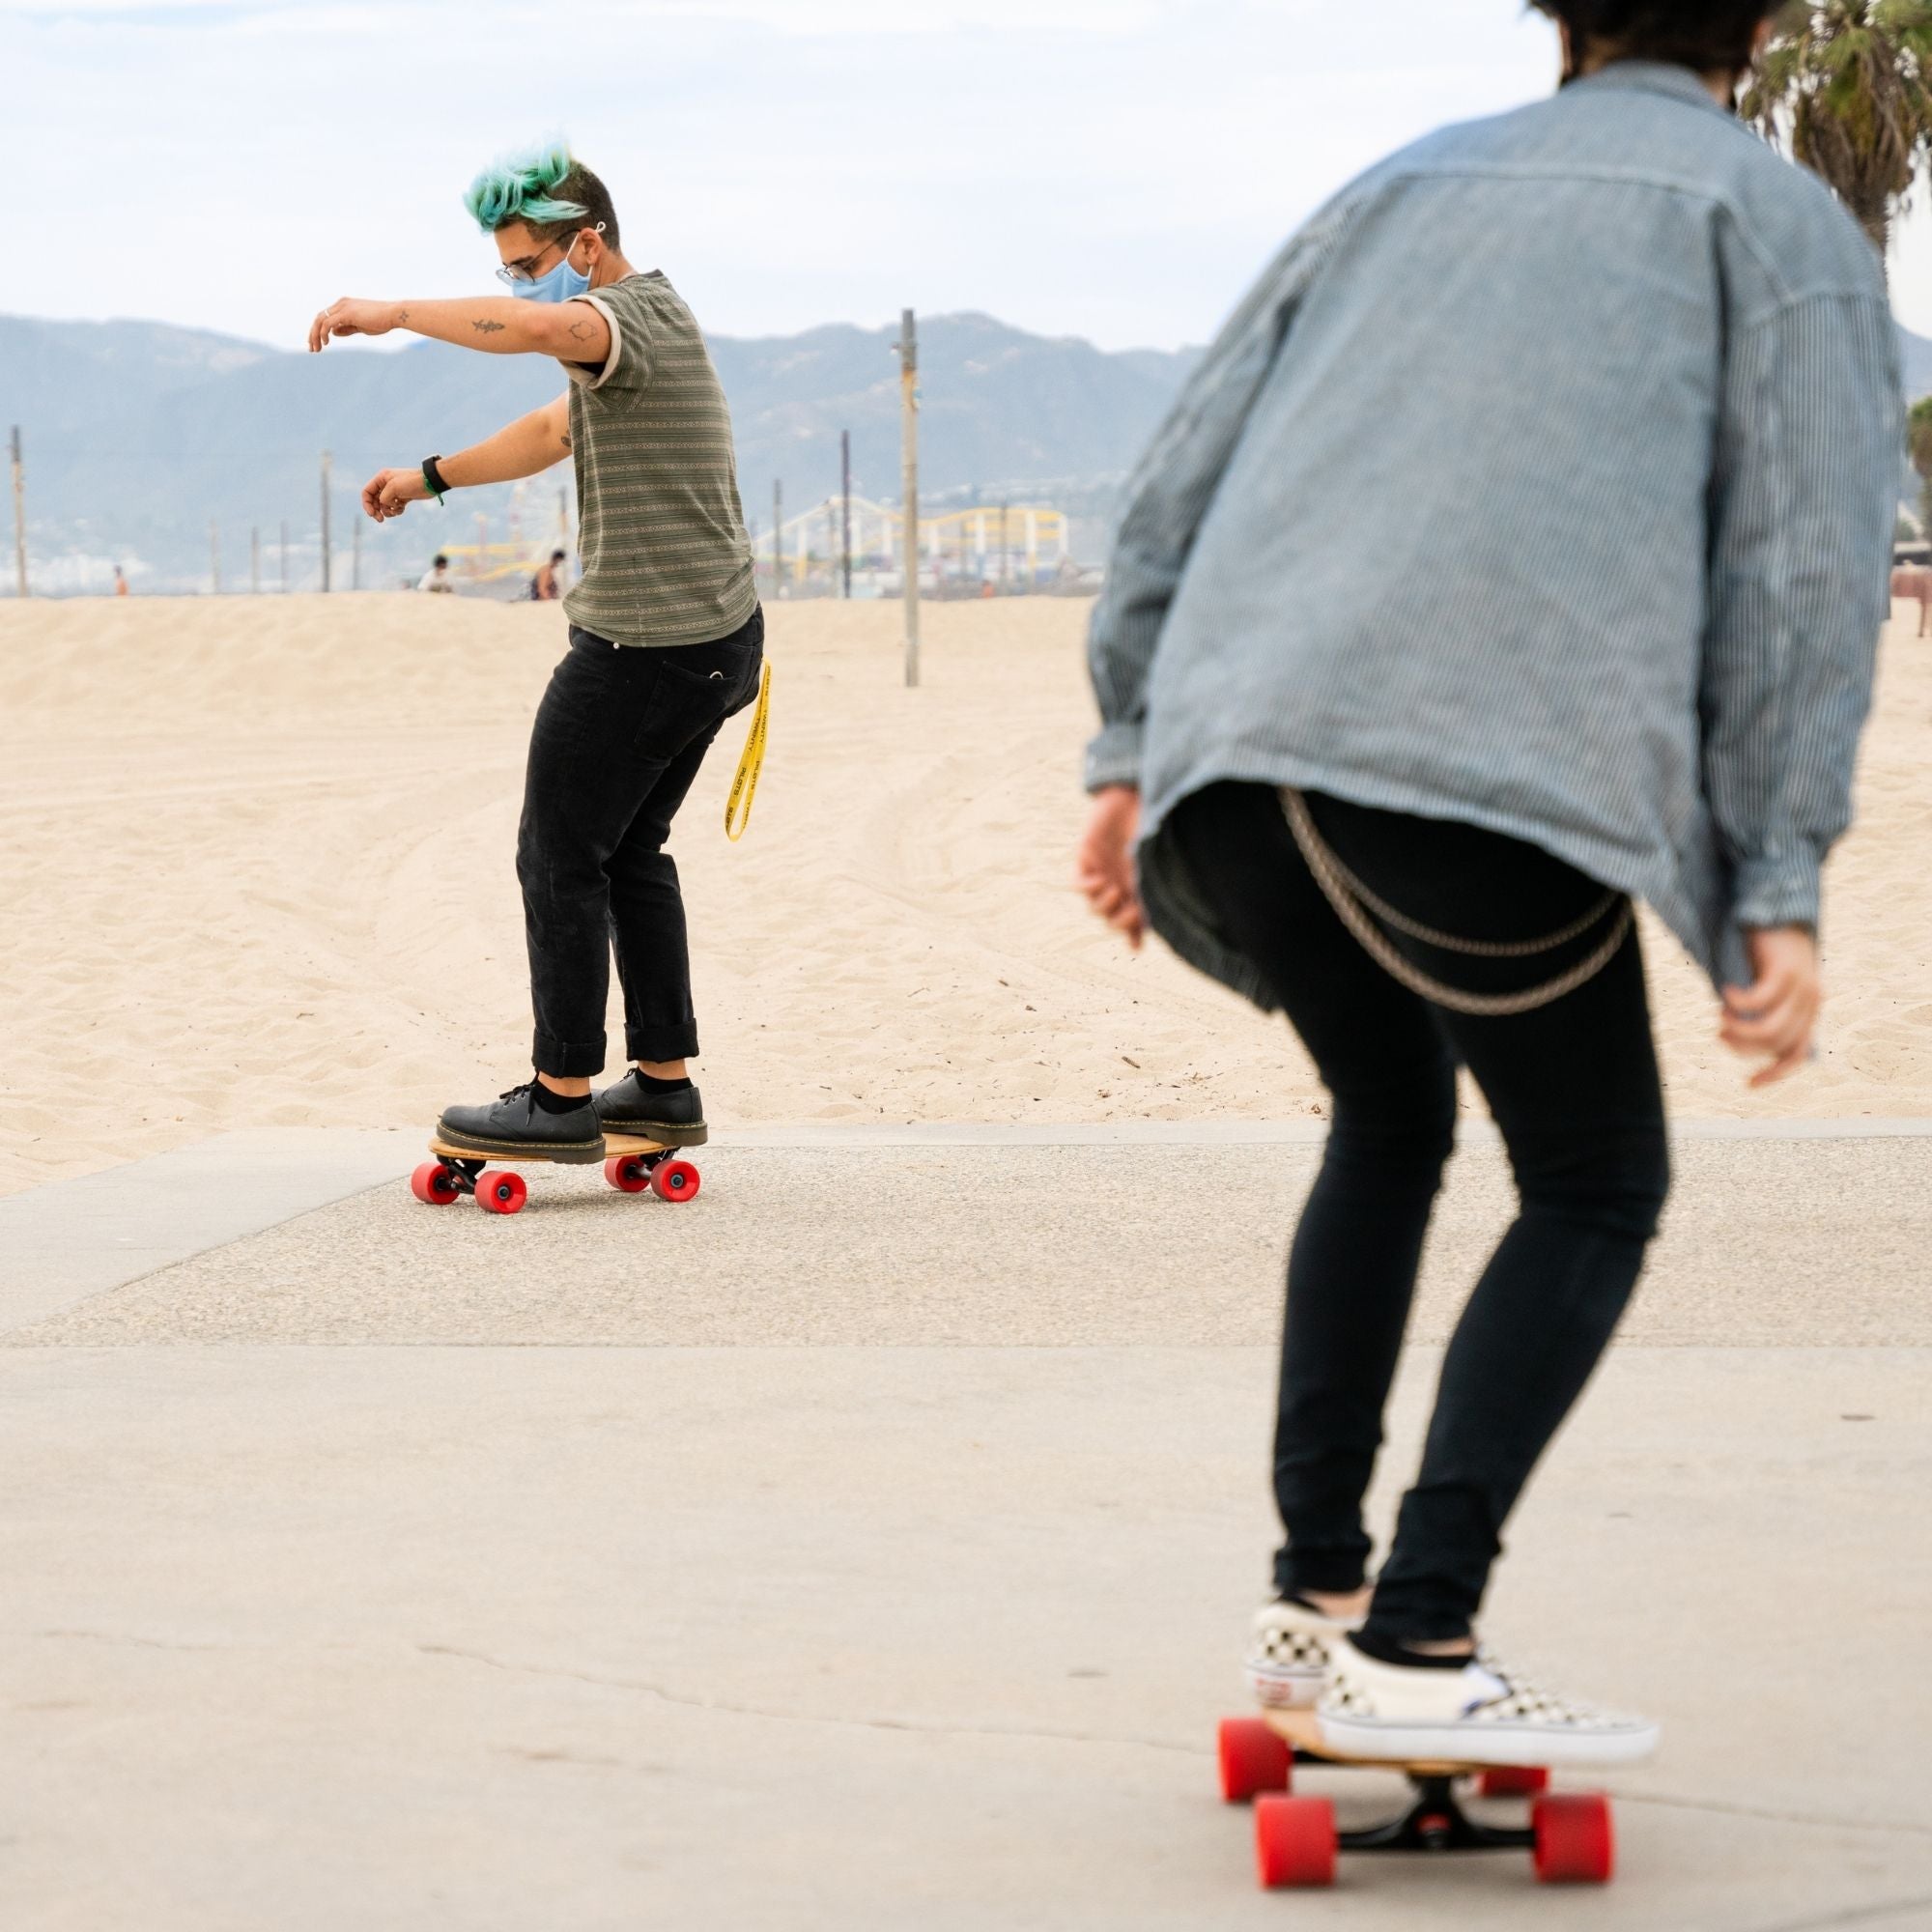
{"points": [[1777, 1015], [1106, 861], [351, 317], [389, 492]]}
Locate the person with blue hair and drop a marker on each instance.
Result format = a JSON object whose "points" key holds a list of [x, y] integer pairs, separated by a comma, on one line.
{"points": [[667, 640]]}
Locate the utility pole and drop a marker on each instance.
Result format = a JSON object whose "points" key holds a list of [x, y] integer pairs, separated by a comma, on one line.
{"points": [[255, 560], [285, 559], [19, 519], [777, 536], [356, 553], [909, 463], [845, 486], [324, 519], [213, 557]]}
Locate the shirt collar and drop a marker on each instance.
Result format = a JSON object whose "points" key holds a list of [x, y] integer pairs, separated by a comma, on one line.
{"points": [[1654, 77]]}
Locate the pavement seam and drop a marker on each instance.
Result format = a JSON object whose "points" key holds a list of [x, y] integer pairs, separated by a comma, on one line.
{"points": [[140, 1642], [910, 1726]]}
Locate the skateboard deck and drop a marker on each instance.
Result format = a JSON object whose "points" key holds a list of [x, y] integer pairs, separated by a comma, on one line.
{"points": [[632, 1164], [1569, 1837]]}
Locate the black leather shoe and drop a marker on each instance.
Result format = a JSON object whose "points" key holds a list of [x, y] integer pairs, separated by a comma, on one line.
{"points": [[672, 1119], [515, 1124]]}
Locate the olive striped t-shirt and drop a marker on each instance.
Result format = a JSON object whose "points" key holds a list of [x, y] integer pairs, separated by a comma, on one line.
{"points": [[661, 532]]}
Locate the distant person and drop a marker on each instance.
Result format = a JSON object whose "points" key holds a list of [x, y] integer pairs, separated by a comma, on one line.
{"points": [[1911, 583], [547, 585], [120, 582], [437, 577], [667, 640], [1401, 741]]}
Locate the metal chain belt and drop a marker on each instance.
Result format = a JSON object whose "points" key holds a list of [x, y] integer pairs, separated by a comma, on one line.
{"points": [[1350, 897]]}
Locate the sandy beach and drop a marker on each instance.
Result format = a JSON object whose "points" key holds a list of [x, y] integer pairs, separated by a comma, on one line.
{"points": [[258, 872]]}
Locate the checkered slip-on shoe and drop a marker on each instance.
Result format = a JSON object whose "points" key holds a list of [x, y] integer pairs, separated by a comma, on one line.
{"points": [[1483, 1714], [1288, 1656]]}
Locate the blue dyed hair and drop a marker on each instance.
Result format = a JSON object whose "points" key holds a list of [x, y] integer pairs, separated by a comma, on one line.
{"points": [[546, 189]]}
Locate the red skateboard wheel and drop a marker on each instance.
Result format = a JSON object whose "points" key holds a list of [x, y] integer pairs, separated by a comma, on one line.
{"points": [[1575, 1843], [433, 1183], [1295, 1841], [1512, 1780], [1255, 1757], [675, 1181], [631, 1172], [501, 1193]]}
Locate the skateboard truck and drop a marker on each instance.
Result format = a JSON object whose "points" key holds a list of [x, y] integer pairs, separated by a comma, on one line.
{"points": [[1569, 1835]]}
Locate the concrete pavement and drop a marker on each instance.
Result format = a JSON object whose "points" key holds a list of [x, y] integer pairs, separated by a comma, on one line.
{"points": [[869, 1545]]}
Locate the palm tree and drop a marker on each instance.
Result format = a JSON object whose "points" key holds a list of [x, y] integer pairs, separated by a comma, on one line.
{"points": [[1847, 86]]}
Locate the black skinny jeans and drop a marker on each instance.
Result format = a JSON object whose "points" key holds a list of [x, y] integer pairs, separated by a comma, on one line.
{"points": [[618, 738], [1574, 1088]]}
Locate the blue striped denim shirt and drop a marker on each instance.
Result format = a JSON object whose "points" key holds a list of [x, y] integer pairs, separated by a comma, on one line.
{"points": [[1545, 481]]}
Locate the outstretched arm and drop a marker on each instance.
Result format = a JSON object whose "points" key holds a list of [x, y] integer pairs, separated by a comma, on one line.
{"points": [[572, 332], [530, 444]]}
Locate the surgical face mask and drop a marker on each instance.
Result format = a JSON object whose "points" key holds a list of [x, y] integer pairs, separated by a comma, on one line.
{"points": [[560, 284]]}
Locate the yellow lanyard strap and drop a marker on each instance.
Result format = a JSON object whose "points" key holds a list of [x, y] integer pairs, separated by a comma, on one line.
{"points": [[745, 786]]}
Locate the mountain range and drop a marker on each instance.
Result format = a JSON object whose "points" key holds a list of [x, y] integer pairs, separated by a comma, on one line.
{"points": [[138, 435]]}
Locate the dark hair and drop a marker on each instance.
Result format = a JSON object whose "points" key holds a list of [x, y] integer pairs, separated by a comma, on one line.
{"points": [[548, 189], [1712, 36], [442, 561]]}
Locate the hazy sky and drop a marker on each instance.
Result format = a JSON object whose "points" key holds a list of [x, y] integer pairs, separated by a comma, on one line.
{"points": [[1117, 169]]}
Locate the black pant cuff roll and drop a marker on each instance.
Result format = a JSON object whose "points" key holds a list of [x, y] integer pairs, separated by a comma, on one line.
{"points": [[660, 1043]]}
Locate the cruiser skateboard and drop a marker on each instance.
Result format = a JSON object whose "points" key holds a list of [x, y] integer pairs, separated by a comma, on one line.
{"points": [[630, 1165], [1569, 1835]]}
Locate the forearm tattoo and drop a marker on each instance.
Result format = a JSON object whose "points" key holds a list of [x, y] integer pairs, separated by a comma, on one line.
{"points": [[483, 327]]}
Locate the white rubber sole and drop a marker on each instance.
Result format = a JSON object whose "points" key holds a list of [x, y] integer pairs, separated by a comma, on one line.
{"points": [[1490, 1743]]}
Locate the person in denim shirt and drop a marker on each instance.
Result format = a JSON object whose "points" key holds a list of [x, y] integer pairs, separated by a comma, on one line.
{"points": [[1519, 552]]}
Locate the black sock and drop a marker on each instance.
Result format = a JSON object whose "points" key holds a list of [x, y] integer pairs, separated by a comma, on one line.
{"points": [[553, 1102], [652, 1084], [1393, 1650]]}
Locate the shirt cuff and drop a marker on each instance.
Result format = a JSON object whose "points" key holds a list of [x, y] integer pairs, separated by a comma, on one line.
{"points": [[1780, 888], [1114, 758]]}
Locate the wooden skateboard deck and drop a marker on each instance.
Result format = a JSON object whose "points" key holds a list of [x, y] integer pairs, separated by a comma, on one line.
{"points": [[1303, 1731], [613, 1143]]}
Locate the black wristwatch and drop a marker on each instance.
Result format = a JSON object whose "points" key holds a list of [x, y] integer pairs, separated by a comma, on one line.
{"points": [[433, 478]]}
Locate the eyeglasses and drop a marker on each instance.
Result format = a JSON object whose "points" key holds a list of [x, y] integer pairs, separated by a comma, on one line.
{"points": [[525, 268]]}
